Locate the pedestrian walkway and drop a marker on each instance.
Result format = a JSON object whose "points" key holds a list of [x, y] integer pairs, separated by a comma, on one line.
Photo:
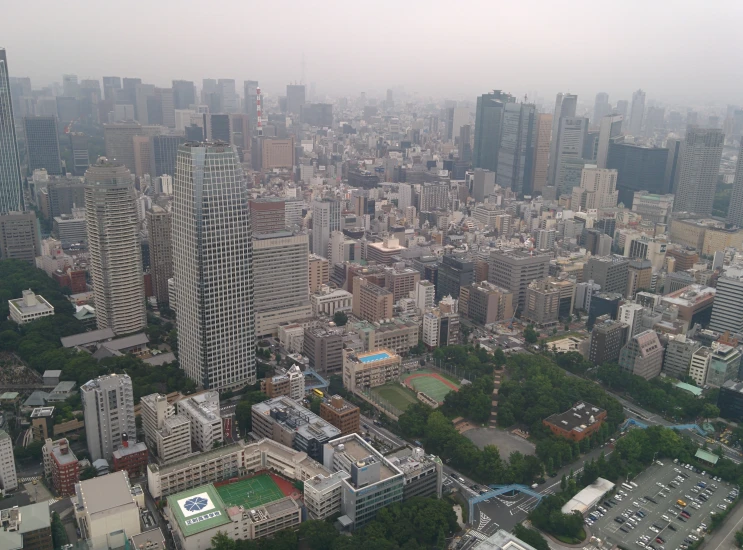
{"points": [[27, 479], [493, 422]]}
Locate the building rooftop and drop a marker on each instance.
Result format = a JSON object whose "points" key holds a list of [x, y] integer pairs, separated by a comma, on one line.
{"points": [[64, 387], [153, 536], [61, 457], [86, 338], [297, 418], [42, 412], [18, 521], [130, 450], [53, 373], [502, 540], [577, 418], [30, 303], [160, 359], [119, 344], [732, 385], [105, 493], [198, 509], [412, 461]]}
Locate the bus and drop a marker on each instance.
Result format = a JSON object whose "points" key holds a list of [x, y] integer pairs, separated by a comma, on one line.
{"points": [[318, 393]]}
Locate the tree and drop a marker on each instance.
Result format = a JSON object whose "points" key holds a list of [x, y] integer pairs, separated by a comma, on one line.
{"points": [[318, 534], [710, 410], [59, 534], [530, 335], [739, 538], [531, 537], [315, 405], [340, 318], [88, 473]]}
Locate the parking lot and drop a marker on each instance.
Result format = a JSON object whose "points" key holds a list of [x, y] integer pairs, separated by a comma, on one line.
{"points": [[657, 501]]}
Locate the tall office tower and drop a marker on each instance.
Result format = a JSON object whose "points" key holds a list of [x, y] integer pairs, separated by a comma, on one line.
{"points": [[142, 155], [673, 164], [735, 211], [281, 275], [542, 154], [159, 225], [565, 105], [119, 142], [80, 155], [42, 146], [598, 189], [406, 196], [217, 127], [488, 128], [11, 197], [184, 94], [250, 104], [655, 120], [213, 267], [230, 99], [637, 113], [610, 127], [163, 104], [144, 95], [483, 184], [571, 137], [640, 169], [8, 474], [700, 164], [517, 148], [326, 218], [465, 143], [108, 407], [727, 309], [111, 84], [113, 241], [294, 98], [19, 236], [164, 153], [601, 108], [70, 86]]}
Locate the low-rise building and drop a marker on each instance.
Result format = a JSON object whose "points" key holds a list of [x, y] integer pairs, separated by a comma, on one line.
{"points": [[326, 301], [724, 364], [149, 540], [577, 423], [642, 355], [289, 383], [542, 303], [61, 466], [341, 414], [173, 440], [423, 473], [699, 365], [323, 347], [29, 308], [291, 336], [42, 423], [106, 504], [26, 527], [289, 423], [484, 303], [368, 370], [398, 334], [132, 458]]}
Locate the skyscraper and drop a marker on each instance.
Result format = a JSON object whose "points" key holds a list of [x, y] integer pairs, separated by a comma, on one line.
{"points": [[250, 105], [113, 242], [326, 218], [601, 108], [159, 225], [637, 113], [542, 155], [42, 145], [700, 164], [108, 407], [11, 198], [80, 154], [488, 128], [610, 127], [640, 169], [213, 267], [184, 94], [571, 137], [517, 147], [294, 98], [727, 309], [164, 153], [735, 210], [598, 189], [465, 144], [565, 105]]}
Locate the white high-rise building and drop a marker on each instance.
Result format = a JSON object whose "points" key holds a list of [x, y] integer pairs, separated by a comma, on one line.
{"points": [[154, 409], [405, 195], [206, 423], [8, 476], [326, 218], [424, 295], [115, 253], [727, 309], [598, 189], [611, 127], [213, 267], [631, 314], [108, 407]]}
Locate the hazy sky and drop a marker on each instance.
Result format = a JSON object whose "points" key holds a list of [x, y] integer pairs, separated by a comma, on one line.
{"points": [[676, 50]]}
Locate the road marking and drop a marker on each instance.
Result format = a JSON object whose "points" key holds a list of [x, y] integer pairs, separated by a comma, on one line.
{"points": [[484, 520]]}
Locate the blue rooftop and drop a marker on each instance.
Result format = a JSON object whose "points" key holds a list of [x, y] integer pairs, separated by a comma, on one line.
{"points": [[375, 357]]}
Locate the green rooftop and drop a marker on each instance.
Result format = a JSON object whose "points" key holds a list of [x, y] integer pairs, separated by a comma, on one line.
{"points": [[198, 509], [708, 457], [690, 388]]}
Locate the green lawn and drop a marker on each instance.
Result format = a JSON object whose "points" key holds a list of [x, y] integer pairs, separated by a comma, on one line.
{"points": [[396, 395]]}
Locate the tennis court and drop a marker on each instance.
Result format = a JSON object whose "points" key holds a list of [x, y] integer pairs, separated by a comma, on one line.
{"points": [[251, 492], [431, 383], [396, 395]]}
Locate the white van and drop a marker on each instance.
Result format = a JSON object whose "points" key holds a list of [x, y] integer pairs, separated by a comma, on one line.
{"points": [[633, 484]]}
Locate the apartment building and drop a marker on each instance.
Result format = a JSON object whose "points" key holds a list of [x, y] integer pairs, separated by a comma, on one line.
{"points": [[341, 414], [367, 370], [202, 410]]}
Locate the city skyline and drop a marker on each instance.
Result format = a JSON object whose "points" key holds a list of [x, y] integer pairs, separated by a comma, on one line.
{"points": [[470, 64]]}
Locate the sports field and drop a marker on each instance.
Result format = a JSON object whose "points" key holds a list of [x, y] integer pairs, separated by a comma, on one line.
{"points": [[396, 395], [431, 383], [251, 492]]}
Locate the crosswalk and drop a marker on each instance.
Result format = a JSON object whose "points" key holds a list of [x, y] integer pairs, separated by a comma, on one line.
{"points": [[53, 500], [484, 520], [27, 479], [478, 535]]}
